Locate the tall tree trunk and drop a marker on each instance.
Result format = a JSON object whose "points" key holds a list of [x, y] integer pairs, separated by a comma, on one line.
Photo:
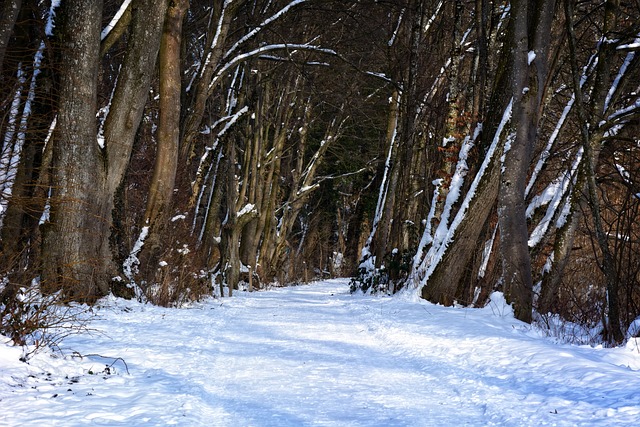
{"points": [[454, 131], [447, 265], [164, 172], [234, 223], [379, 238], [27, 202], [481, 61], [72, 256], [514, 235], [447, 271], [531, 29], [127, 107]]}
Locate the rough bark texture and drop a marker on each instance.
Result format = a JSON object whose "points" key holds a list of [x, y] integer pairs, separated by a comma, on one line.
{"points": [[531, 28], [447, 278], [516, 262], [72, 256], [133, 85]]}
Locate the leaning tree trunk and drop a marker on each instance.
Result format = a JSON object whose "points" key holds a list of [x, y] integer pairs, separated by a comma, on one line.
{"points": [[446, 265], [72, 256], [446, 274]]}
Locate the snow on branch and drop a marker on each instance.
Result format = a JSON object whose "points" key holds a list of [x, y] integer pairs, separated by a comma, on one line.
{"points": [[248, 209], [433, 17], [631, 46], [264, 23], [50, 25], [554, 194], [593, 60], [216, 37], [233, 119], [261, 50], [616, 82], [114, 21], [130, 265], [625, 112], [436, 252]]}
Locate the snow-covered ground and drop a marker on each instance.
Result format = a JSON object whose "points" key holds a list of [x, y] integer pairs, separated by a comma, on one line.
{"points": [[316, 355]]}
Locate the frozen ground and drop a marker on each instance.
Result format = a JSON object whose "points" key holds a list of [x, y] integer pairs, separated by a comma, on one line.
{"points": [[316, 355]]}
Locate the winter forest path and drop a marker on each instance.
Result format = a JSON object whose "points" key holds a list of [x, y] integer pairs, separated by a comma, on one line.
{"points": [[316, 355]]}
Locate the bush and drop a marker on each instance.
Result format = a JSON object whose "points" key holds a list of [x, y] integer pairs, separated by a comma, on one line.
{"points": [[35, 320], [389, 278]]}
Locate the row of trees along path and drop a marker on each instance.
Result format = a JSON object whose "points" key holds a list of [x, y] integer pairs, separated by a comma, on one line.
{"points": [[170, 149]]}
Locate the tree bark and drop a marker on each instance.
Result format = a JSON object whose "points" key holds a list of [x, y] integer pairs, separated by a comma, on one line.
{"points": [[514, 235], [445, 282], [531, 29], [166, 164], [129, 99], [72, 256], [123, 23]]}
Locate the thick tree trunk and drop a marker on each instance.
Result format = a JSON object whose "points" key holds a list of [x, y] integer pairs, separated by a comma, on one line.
{"points": [[134, 80], [72, 256], [446, 280], [531, 28], [514, 235], [450, 264]]}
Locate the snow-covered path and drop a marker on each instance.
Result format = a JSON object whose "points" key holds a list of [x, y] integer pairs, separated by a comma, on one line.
{"points": [[316, 355]]}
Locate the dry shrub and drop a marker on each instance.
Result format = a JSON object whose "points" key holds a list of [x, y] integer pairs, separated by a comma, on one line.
{"points": [[36, 320], [177, 280], [173, 270]]}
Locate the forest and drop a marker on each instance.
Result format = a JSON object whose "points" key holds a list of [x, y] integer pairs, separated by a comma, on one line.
{"points": [[168, 150]]}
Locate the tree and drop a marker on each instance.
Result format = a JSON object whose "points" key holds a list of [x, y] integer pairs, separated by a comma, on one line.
{"points": [[84, 174], [531, 46], [73, 256], [164, 172]]}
